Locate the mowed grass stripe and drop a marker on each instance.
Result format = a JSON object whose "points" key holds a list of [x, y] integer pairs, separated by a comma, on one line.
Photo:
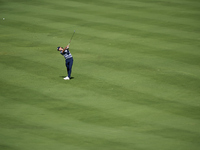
{"points": [[141, 86], [65, 136], [162, 38], [147, 76], [163, 69], [136, 125], [129, 14], [162, 6], [158, 51], [80, 14], [25, 41], [57, 135], [174, 51], [46, 102], [31, 138], [125, 43], [163, 61], [166, 36], [181, 79], [118, 10], [65, 109], [143, 3], [82, 141], [103, 86]]}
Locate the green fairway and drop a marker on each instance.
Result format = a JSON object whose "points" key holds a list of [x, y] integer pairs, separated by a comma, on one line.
{"points": [[136, 75]]}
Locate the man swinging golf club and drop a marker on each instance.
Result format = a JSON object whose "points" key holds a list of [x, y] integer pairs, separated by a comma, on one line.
{"points": [[68, 60]]}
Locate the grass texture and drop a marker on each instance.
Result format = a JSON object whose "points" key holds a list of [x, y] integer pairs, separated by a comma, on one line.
{"points": [[136, 75]]}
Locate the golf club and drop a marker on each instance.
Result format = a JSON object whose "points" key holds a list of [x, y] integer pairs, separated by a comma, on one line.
{"points": [[71, 37]]}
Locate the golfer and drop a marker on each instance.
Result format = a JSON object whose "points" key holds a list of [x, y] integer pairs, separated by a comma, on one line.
{"points": [[68, 60]]}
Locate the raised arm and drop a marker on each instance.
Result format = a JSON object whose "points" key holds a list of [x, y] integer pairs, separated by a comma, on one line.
{"points": [[67, 47]]}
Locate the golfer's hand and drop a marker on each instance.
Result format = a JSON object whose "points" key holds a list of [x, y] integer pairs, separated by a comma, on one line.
{"points": [[67, 47]]}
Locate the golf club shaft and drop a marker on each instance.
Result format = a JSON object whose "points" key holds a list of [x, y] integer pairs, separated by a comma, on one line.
{"points": [[71, 37]]}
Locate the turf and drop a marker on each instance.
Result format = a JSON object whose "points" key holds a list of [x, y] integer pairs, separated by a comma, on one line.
{"points": [[136, 75]]}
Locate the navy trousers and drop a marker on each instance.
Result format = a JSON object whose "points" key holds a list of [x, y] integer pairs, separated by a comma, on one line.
{"points": [[69, 63]]}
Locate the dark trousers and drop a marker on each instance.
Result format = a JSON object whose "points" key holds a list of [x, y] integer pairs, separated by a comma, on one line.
{"points": [[69, 63]]}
